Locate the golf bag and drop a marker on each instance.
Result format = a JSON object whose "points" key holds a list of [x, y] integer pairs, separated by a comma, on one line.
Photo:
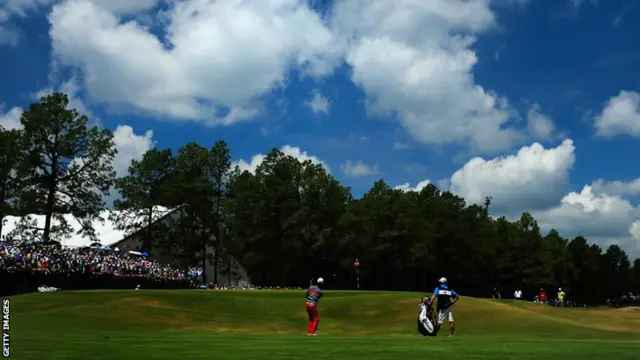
{"points": [[427, 324]]}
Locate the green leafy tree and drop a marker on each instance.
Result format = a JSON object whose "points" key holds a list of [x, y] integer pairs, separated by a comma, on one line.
{"points": [[291, 221], [322, 201], [219, 171], [234, 196], [12, 172], [70, 165], [200, 184], [145, 196], [192, 187], [636, 277], [507, 255], [279, 217], [536, 266], [240, 220], [283, 219], [586, 260], [615, 270], [561, 260]]}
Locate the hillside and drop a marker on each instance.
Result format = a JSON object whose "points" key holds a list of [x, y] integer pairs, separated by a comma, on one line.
{"points": [[282, 312]]}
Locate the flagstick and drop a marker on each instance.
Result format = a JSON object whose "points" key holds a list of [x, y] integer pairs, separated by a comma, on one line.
{"points": [[356, 264]]}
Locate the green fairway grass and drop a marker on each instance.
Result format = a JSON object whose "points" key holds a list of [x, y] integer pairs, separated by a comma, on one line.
{"points": [[200, 324]]}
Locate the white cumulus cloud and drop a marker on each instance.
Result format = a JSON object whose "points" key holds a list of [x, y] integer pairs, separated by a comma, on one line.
{"points": [[11, 119], [634, 230], [411, 60], [216, 55], [620, 116], [407, 187], [318, 103], [289, 150], [533, 178], [216, 60], [603, 219], [130, 147], [358, 168], [10, 9], [540, 126], [616, 187]]}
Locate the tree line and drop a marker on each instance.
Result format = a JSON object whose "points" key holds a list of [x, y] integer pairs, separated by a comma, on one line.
{"points": [[289, 221]]}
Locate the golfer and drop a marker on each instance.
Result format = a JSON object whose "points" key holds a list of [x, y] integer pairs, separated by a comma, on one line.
{"points": [[314, 293], [446, 298]]}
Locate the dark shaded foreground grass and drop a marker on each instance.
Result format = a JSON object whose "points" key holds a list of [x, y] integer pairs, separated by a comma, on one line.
{"points": [[125, 345], [272, 325]]}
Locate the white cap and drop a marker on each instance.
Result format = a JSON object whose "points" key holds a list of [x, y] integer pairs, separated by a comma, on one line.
{"points": [[559, 289], [443, 280], [320, 280]]}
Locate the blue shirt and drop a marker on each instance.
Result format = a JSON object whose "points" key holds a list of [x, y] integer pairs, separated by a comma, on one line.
{"points": [[444, 296]]}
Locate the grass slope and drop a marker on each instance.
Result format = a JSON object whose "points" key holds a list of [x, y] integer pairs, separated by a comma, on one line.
{"points": [[272, 325]]}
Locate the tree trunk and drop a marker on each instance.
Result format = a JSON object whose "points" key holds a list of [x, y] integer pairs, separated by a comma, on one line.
{"points": [[146, 244], [227, 237], [2, 195], [216, 257], [216, 254], [203, 242], [230, 270], [204, 259], [51, 198], [193, 232]]}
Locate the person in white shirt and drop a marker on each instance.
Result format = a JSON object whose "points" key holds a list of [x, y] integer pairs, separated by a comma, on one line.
{"points": [[517, 294]]}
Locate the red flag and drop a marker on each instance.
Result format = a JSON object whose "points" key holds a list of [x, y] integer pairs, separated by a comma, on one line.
{"points": [[356, 264]]}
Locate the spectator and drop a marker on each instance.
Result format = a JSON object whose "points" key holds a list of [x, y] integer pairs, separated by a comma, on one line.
{"points": [[517, 294], [496, 294], [542, 296], [561, 296]]}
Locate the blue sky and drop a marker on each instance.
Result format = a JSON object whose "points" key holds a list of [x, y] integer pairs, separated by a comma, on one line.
{"points": [[534, 103]]}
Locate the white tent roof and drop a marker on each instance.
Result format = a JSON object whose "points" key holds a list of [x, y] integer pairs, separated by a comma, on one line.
{"points": [[106, 232]]}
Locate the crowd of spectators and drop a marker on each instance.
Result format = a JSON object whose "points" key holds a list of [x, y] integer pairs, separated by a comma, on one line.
{"points": [[625, 300], [21, 255], [541, 298], [34, 256], [561, 301]]}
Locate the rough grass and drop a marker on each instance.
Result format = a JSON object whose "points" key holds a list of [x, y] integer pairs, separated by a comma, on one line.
{"points": [[272, 325]]}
